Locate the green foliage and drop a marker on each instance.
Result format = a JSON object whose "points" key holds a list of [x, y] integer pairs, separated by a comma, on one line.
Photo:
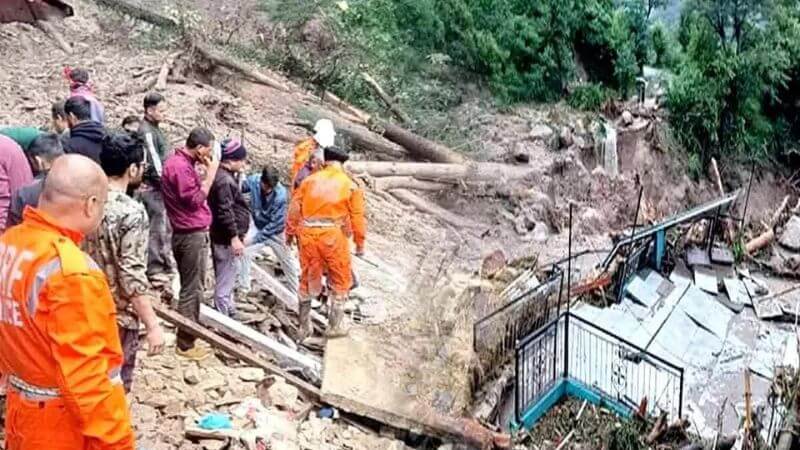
{"points": [[589, 97], [740, 63], [665, 47]]}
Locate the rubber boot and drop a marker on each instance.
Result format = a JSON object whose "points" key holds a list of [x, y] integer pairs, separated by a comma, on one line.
{"points": [[304, 330], [337, 322]]}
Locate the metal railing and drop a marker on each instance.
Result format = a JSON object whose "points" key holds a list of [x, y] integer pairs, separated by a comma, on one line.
{"points": [[495, 336], [570, 348]]}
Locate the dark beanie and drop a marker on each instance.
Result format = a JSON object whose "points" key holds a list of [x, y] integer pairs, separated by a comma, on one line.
{"points": [[233, 150], [336, 154]]}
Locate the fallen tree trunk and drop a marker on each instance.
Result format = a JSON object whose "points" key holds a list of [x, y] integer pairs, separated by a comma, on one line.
{"points": [[492, 173], [258, 341], [241, 68], [358, 116], [435, 210], [282, 293], [233, 349], [138, 13], [389, 183], [360, 138], [385, 97], [161, 82], [48, 29], [419, 147]]}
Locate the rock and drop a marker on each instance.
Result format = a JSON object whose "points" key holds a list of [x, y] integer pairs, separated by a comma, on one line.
{"points": [[191, 374], [213, 444], [544, 134], [790, 238], [251, 374], [493, 263], [212, 380], [143, 414], [283, 395], [541, 132], [565, 138], [627, 118], [154, 399]]}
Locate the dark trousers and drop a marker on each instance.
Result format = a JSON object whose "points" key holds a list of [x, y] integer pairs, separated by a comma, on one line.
{"points": [[130, 345], [191, 256], [160, 265]]}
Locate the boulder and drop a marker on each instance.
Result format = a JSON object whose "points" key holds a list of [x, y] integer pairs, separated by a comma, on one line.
{"points": [[191, 374], [627, 118], [283, 395], [790, 238], [565, 138], [544, 134], [493, 263]]}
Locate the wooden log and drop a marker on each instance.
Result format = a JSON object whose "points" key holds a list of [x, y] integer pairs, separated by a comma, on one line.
{"points": [[360, 138], [435, 210], [236, 66], [492, 173], [389, 183], [716, 177], [48, 29], [233, 349], [161, 81], [357, 115], [420, 148], [776, 216], [759, 242], [260, 342], [386, 98], [139, 13]]}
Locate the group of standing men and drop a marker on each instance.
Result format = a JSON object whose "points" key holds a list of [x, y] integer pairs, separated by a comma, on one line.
{"points": [[92, 240]]}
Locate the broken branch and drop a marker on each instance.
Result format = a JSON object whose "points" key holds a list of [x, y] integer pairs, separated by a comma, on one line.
{"points": [[385, 97], [228, 63], [48, 29]]}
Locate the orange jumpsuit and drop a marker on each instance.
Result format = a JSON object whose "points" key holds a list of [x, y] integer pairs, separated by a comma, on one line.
{"points": [[58, 343], [322, 208], [302, 151]]}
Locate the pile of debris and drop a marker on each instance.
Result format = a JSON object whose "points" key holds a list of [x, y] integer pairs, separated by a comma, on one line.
{"points": [[576, 424]]}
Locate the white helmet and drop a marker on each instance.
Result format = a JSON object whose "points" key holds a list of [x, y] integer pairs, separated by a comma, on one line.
{"points": [[324, 133]]}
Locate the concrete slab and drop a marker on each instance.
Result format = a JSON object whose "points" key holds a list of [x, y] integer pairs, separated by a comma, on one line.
{"points": [[706, 279], [697, 256], [737, 291]]}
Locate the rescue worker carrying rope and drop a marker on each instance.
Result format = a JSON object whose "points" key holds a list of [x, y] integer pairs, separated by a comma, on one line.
{"points": [[326, 209], [59, 343]]}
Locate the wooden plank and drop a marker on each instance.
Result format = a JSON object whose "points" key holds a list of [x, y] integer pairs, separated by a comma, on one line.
{"points": [[258, 341], [233, 349]]}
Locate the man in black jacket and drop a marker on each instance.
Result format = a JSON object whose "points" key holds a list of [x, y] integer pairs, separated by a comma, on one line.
{"points": [[85, 135], [230, 219], [160, 261]]}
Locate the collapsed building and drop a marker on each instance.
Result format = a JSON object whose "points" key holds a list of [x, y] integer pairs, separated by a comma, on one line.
{"points": [[671, 323]]}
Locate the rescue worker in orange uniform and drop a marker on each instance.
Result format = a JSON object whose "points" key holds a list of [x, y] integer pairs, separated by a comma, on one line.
{"points": [[325, 209], [324, 136], [59, 343]]}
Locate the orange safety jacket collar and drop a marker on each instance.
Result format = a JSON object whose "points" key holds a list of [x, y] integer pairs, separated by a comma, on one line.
{"points": [[38, 218]]}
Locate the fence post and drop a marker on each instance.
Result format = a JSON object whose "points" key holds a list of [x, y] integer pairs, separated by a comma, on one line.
{"points": [[569, 296]]}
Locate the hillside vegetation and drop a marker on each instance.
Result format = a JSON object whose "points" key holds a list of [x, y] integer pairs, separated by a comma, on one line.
{"points": [[735, 92]]}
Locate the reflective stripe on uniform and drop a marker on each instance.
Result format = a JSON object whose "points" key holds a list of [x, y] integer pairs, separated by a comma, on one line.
{"points": [[31, 391], [319, 223], [42, 275]]}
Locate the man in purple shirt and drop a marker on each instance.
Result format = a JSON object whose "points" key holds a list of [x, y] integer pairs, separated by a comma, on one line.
{"points": [[15, 172], [185, 194]]}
